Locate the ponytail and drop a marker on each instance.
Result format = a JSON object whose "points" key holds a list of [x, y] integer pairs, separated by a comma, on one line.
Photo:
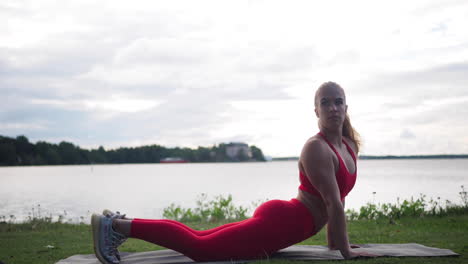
{"points": [[351, 133]]}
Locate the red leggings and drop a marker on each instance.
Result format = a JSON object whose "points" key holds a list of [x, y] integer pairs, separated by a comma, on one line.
{"points": [[275, 225]]}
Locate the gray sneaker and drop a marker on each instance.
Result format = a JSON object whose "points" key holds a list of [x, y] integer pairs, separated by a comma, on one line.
{"points": [[106, 240], [110, 213], [115, 215]]}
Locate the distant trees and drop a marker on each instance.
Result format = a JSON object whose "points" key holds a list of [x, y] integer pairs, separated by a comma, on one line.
{"points": [[19, 151], [257, 153]]}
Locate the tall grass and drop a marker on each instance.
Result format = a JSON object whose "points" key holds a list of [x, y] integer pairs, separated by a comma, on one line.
{"points": [[37, 219], [420, 207], [219, 209], [222, 208]]}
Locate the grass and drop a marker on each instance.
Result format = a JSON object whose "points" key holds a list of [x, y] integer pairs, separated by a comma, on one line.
{"points": [[41, 240], [218, 209], [420, 207], [50, 242]]}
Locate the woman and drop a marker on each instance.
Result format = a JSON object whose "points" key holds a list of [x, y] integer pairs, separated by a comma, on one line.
{"points": [[327, 172]]}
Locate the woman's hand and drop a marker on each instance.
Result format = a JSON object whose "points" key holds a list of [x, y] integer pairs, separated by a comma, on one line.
{"points": [[351, 246], [356, 254]]}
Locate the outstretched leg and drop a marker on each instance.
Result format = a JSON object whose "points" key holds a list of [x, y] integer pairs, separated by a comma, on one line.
{"points": [[276, 224], [193, 231]]}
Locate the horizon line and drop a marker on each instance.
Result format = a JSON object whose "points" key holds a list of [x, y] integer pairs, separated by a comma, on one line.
{"points": [[413, 156]]}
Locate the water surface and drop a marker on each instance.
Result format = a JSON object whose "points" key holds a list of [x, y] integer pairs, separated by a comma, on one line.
{"points": [[143, 190]]}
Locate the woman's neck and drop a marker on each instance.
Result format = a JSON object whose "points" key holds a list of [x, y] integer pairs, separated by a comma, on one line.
{"points": [[335, 137]]}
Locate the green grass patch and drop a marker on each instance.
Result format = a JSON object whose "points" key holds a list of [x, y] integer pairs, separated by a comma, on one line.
{"points": [[215, 210], [419, 207], [428, 222], [50, 242]]}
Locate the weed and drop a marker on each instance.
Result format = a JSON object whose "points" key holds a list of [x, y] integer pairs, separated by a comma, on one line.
{"points": [[219, 209], [410, 208]]}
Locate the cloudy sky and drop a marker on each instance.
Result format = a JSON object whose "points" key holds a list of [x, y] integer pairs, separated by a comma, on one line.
{"points": [[198, 73]]}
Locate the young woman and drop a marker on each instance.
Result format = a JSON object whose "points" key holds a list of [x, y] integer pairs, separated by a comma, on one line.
{"points": [[327, 173]]}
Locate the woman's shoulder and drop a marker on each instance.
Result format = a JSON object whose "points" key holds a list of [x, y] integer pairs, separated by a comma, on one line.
{"points": [[314, 142], [315, 146], [316, 154]]}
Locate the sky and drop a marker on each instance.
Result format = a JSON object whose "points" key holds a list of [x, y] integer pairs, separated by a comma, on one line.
{"points": [[200, 73]]}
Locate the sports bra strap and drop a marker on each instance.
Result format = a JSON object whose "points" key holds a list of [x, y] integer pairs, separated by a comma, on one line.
{"points": [[350, 150]]}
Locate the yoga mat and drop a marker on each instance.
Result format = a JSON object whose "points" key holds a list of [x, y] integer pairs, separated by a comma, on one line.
{"points": [[298, 252]]}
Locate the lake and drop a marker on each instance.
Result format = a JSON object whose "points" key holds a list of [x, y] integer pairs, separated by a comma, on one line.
{"points": [[144, 190]]}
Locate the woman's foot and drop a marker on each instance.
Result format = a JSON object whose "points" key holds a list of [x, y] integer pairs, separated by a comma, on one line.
{"points": [[106, 240], [115, 215], [110, 213]]}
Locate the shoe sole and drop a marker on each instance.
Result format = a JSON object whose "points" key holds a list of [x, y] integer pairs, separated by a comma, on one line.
{"points": [[96, 227]]}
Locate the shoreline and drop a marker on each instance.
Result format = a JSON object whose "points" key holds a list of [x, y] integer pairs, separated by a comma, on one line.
{"points": [[392, 157]]}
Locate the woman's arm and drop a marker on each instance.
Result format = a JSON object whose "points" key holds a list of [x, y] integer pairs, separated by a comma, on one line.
{"points": [[318, 164], [317, 161], [331, 244]]}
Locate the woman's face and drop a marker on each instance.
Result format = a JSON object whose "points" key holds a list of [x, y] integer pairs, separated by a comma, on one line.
{"points": [[330, 107]]}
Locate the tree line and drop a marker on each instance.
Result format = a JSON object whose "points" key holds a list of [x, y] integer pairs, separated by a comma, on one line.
{"points": [[19, 151]]}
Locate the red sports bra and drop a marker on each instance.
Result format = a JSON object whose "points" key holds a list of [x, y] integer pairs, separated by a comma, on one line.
{"points": [[344, 179]]}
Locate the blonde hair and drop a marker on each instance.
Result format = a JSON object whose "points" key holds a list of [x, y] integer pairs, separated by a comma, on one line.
{"points": [[348, 130]]}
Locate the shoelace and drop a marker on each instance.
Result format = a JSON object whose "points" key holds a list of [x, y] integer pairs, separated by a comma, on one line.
{"points": [[116, 239], [121, 216], [121, 238]]}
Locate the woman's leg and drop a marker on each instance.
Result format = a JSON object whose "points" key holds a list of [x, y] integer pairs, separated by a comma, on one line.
{"points": [[275, 225], [193, 231]]}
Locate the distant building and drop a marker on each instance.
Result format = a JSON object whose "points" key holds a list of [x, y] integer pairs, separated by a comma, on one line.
{"points": [[234, 150]]}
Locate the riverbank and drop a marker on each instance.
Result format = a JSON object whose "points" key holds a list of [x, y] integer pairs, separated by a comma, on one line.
{"points": [[42, 242]]}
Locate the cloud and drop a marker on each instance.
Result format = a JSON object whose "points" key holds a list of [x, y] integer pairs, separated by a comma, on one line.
{"points": [[407, 134], [197, 73], [429, 127], [438, 6], [436, 82]]}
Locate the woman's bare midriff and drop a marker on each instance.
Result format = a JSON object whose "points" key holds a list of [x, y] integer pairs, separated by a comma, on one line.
{"points": [[316, 207]]}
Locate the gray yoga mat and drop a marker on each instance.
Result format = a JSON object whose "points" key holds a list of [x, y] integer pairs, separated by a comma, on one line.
{"points": [[299, 252]]}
